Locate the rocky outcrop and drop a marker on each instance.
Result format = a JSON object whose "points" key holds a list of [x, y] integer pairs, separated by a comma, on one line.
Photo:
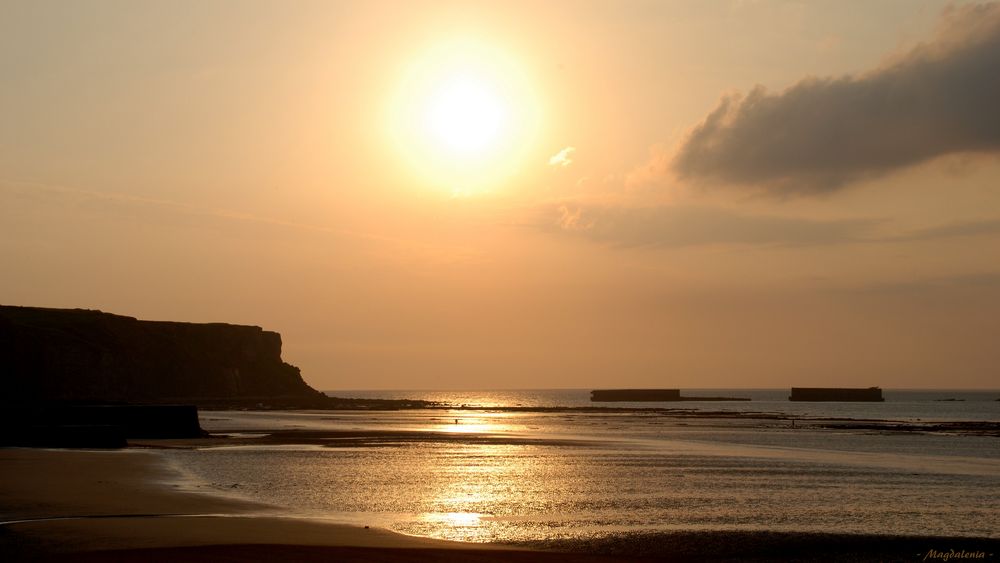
{"points": [[76, 355], [836, 394], [57, 425], [635, 395], [649, 396]]}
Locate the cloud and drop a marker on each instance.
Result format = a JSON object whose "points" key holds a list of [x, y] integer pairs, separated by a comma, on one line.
{"points": [[78, 196], [690, 225], [684, 225], [562, 158], [822, 134], [959, 284], [24, 198], [986, 227]]}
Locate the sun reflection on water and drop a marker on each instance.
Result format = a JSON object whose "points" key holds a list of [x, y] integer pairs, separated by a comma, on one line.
{"points": [[480, 423], [507, 477], [462, 526], [473, 486], [457, 519]]}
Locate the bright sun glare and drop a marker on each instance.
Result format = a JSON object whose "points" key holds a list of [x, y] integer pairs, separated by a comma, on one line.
{"points": [[464, 117]]}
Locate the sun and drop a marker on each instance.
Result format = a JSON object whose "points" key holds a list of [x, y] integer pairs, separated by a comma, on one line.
{"points": [[466, 115], [463, 118]]}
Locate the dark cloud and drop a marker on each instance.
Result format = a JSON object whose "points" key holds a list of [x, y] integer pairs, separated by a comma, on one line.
{"points": [[941, 98], [685, 225]]}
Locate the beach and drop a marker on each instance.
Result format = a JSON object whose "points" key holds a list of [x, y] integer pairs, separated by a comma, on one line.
{"points": [[509, 486], [488, 281], [65, 505], [108, 506]]}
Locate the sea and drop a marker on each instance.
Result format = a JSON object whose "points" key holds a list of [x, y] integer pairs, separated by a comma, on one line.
{"points": [[512, 466]]}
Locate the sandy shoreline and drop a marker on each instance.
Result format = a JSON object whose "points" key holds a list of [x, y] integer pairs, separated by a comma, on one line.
{"points": [[71, 501], [71, 505], [92, 505]]}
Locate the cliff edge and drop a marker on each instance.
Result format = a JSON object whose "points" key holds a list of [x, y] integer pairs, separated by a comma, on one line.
{"points": [[79, 355]]}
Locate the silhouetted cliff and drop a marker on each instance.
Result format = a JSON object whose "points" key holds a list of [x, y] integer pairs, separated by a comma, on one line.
{"points": [[82, 355]]}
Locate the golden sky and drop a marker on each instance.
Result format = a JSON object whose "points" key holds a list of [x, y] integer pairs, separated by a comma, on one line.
{"points": [[520, 194]]}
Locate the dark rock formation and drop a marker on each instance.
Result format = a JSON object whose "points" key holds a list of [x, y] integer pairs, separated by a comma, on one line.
{"points": [[649, 395], [819, 394], [614, 395], [75, 355], [56, 425]]}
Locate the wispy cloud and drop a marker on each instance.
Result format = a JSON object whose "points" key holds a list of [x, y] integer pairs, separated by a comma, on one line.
{"points": [[80, 194], [411, 251], [563, 157], [690, 225], [634, 224], [69, 193], [960, 284], [985, 227], [822, 134]]}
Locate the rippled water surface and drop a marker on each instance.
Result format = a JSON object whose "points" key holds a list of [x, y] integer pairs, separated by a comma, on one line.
{"points": [[592, 474]]}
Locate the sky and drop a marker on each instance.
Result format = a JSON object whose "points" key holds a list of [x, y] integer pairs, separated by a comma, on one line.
{"points": [[487, 195]]}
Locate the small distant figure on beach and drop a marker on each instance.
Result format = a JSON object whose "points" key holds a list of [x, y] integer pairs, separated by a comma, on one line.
{"points": [[456, 421]]}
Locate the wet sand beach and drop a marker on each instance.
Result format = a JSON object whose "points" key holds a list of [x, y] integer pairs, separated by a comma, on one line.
{"points": [[95, 505], [63, 505]]}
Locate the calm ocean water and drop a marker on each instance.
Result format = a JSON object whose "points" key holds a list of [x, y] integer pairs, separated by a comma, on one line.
{"points": [[900, 404], [514, 476]]}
